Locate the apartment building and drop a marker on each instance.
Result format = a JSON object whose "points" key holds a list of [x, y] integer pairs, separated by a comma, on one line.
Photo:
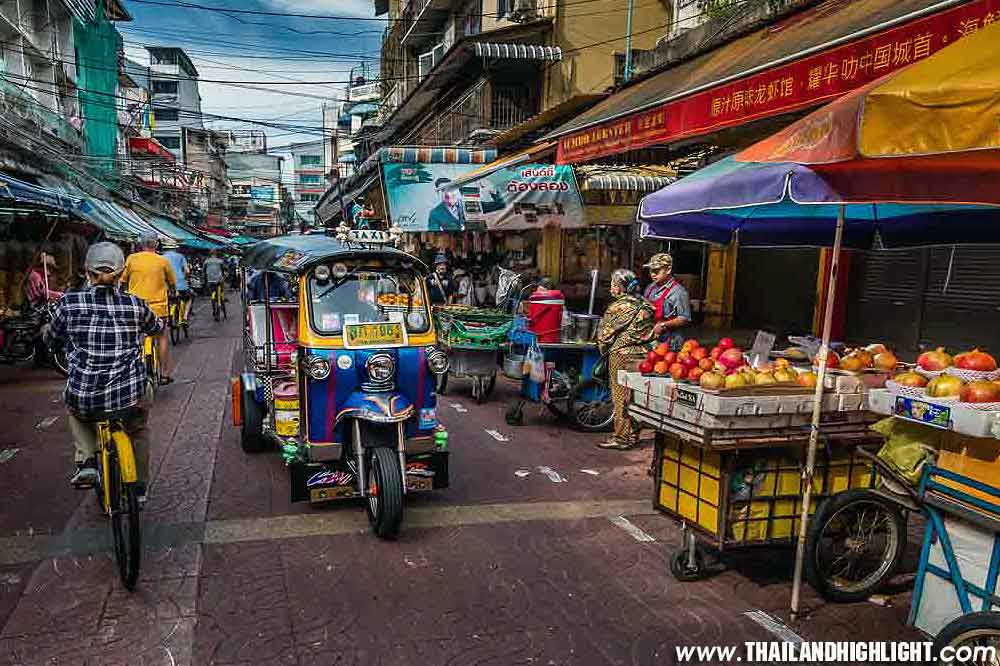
{"points": [[175, 96], [308, 178]]}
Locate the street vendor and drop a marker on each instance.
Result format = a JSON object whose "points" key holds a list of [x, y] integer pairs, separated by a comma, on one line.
{"points": [[440, 288], [670, 301]]}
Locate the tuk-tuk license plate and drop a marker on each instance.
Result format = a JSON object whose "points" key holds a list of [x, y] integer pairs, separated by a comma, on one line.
{"points": [[368, 335]]}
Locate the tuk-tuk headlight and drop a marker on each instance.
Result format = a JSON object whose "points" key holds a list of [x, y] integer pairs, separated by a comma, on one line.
{"points": [[316, 367], [322, 274], [437, 361], [380, 367]]}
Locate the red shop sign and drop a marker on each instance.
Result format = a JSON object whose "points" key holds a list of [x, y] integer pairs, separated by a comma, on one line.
{"points": [[789, 87]]}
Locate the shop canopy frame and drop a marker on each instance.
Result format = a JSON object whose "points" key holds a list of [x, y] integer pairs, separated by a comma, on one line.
{"points": [[811, 184]]}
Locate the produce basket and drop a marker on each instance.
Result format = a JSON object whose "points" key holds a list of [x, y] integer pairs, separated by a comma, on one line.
{"points": [[472, 329]]}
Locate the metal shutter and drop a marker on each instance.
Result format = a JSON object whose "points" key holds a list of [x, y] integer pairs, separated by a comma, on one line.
{"points": [[963, 311], [885, 298]]}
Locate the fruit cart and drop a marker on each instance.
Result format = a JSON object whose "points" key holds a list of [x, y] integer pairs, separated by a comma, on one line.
{"points": [[472, 338], [728, 463]]}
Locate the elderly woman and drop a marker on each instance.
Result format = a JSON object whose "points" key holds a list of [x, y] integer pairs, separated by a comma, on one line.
{"points": [[626, 330]]}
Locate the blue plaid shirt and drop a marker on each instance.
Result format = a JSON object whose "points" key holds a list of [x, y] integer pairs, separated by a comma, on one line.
{"points": [[103, 329]]}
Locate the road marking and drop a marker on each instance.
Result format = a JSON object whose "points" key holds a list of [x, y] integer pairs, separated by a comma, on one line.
{"points": [[774, 625], [631, 528], [20, 549]]}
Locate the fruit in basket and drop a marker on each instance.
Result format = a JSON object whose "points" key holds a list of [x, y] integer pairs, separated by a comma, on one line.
{"points": [[688, 361], [935, 361], [976, 360], [808, 379], [716, 352], [646, 367], [661, 368], [980, 391], [669, 358], [866, 357], [876, 349], [731, 358], [764, 378], [785, 375], [662, 349], [832, 360], [706, 364], [699, 353], [886, 360], [695, 373], [678, 371], [944, 386], [726, 343], [712, 380], [652, 357], [690, 345], [736, 380], [782, 363], [852, 363], [911, 379]]}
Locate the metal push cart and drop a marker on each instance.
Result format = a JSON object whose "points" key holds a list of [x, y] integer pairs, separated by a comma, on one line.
{"points": [[735, 479], [472, 339]]}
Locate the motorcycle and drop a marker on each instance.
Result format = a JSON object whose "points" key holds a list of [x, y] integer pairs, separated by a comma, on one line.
{"points": [[21, 340]]}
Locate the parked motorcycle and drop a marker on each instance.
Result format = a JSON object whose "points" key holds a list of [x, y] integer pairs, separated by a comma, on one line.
{"points": [[21, 340]]}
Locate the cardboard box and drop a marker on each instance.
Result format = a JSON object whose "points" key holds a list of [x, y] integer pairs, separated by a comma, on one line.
{"points": [[978, 459]]}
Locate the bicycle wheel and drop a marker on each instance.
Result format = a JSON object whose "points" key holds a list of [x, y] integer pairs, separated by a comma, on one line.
{"points": [[126, 529], [222, 306], [175, 330], [591, 408], [971, 640], [215, 307]]}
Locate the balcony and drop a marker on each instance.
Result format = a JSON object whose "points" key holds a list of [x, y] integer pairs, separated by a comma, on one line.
{"points": [[364, 93], [641, 61]]}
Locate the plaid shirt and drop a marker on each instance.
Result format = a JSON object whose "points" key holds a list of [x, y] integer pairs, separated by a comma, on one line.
{"points": [[104, 329]]}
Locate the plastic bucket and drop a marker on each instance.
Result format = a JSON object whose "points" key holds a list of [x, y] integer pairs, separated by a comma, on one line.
{"points": [[286, 409]]}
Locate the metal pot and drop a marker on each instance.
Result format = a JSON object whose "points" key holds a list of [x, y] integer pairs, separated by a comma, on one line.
{"points": [[513, 366], [584, 327]]}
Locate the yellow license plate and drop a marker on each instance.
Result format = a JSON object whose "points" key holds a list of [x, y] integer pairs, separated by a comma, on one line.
{"points": [[365, 335]]}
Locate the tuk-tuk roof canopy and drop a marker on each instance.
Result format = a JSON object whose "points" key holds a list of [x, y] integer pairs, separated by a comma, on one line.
{"points": [[297, 253]]}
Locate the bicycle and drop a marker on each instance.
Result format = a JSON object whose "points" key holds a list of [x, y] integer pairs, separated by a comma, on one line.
{"points": [[118, 496], [176, 320], [152, 360], [218, 303]]}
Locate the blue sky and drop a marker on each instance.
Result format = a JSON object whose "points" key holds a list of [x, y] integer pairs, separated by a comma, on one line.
{"points": [[264, 49]]}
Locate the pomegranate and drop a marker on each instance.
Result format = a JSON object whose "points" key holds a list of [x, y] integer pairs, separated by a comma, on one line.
{"points": [[832, 360], [980, 391], [876, 349], [808, 379], [731, 358], [669, 358], [716, 352], [690, 345], [852, 363], [726, 343], [661, 368], [699, 353], [886, 360], [736, 380], [976, 360], [706, 364], [911, 379], [662, 349], [678, 371], [867, 358], [712, 380], [944, 386], [646, 367], [935, 361], [651, 357], [689, 362], [695, 373]]}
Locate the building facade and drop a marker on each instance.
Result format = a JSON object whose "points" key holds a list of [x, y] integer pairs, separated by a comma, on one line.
{"points": [[175, 96], [308, 179], [204, 157], [257, 197]]}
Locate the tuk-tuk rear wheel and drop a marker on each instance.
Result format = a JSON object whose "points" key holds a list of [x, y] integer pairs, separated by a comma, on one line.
{"points": [[384, 490], [252, 439]]}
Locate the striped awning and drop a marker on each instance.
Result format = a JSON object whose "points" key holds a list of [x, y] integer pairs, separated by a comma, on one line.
{"points": [[492, 50], [629, 179]]}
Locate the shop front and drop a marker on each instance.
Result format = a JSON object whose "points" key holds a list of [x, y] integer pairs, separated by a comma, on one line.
{"points": [[745, 90]]}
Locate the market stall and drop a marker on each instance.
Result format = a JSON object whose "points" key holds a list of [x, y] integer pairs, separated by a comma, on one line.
{"points": [[851, 176]]}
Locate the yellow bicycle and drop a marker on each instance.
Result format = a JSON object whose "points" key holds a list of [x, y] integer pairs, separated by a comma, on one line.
{"points": [[178, 319], [118, 496], [152, 360], [218, 303]]}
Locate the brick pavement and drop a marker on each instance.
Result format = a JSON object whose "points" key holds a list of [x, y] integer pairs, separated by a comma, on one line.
{"points": [[463, 584]]}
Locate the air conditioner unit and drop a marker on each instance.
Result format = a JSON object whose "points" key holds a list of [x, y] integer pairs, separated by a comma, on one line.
{"points": [[523, 11]]}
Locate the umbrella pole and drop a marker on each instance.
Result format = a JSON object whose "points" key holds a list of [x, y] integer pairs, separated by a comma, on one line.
{"points": [[807, 474]]}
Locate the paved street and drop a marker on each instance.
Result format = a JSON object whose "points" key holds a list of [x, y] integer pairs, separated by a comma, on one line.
{"points": [[499, 569]]}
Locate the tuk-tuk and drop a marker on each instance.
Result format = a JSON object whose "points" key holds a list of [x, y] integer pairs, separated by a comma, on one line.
{"points": [[340, 377]]}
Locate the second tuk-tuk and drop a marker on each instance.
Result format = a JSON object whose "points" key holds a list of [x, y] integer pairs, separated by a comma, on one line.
{"points": [[340, 377]]}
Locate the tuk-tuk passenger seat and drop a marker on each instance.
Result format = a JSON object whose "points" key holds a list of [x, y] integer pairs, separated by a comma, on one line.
{"points": [[283, 335]]}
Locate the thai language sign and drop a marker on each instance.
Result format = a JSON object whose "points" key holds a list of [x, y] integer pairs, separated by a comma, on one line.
{"points": [[797, 85], [422, 197]]}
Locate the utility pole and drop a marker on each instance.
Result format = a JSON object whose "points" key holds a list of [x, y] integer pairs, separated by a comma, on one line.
{"points": [[628, 43]]}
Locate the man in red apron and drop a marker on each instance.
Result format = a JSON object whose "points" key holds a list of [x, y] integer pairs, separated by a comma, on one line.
{"points": [[670, 300]]}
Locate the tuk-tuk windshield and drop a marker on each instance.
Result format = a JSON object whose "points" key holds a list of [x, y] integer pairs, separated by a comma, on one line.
{"points": [[368, 295]]}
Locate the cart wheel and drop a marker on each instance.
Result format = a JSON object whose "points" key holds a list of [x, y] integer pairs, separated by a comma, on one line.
{"points": [[854, 545], [515, 414], [441, 383], [590, 407], [975, 630], [682, 571], [486, 386]]}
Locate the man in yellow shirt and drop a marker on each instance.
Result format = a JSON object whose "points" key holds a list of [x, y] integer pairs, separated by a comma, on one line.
{"points": [[150, 277]]}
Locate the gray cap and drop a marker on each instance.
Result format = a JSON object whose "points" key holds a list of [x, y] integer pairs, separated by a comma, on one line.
{"points": [[105, 258], [148, 239]]}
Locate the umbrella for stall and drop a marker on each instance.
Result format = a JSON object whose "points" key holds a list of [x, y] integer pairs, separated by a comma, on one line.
{"points": [[814, 184]]}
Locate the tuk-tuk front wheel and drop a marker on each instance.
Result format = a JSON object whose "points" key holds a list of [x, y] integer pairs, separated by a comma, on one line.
{"points": [[384, 492]]}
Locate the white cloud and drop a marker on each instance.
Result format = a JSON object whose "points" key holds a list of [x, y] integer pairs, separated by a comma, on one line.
{"points": [[355, 8]]}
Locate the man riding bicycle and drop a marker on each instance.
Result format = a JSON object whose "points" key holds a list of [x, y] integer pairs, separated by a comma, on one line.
{"points": [[181, 272], [103, 328], [215, 271], [151, 277]]}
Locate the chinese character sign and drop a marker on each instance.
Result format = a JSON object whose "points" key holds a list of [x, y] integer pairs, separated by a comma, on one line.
{"points": [[800, 84]]}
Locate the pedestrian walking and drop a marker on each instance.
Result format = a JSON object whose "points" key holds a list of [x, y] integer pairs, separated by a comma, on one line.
{"points": [[151, 277]]}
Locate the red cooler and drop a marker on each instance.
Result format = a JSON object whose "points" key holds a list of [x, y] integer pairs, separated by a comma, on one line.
{"points": [[545, 313]]}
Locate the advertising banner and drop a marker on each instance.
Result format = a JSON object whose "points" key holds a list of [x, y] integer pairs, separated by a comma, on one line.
{"points": [[531, 196], [263, 194], [796, 85]]}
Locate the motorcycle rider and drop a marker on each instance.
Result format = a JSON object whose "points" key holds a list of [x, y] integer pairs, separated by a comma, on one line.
{"points": [[104, 327]]}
